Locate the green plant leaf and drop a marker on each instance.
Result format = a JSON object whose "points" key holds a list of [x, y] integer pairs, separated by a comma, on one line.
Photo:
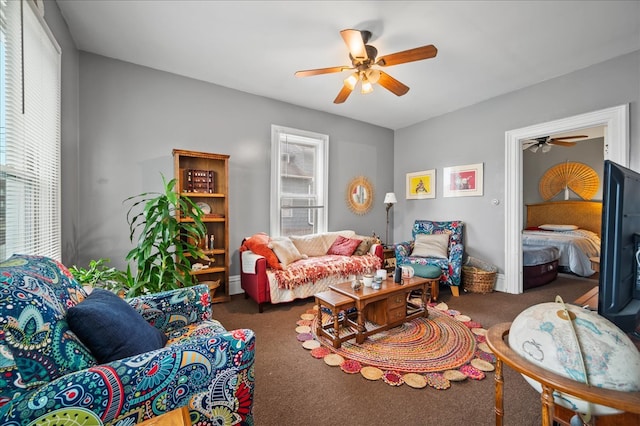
{"points": [[162, 241]]}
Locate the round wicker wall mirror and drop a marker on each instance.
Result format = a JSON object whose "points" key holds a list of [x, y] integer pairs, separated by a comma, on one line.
{"points": [[360, 195]]}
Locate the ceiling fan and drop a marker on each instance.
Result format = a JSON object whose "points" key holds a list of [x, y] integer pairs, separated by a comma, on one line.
{"points": [[546, 142], [363, 60]]}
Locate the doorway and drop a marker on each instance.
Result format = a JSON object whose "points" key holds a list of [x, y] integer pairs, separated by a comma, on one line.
{"points": [[616, 148]]}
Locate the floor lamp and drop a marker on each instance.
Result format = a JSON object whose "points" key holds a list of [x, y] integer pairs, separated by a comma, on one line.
{"points": [[390, 200]]}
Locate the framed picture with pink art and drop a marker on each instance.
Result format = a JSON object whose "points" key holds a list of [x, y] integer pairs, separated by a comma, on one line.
{"points": [[421, 185], [463, 181]]}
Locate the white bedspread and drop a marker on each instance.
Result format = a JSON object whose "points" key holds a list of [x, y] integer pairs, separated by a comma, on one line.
{"points": [[576, 247]]}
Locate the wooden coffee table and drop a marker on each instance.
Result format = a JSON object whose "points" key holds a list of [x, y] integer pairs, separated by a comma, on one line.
{"points": [[387, 307]]}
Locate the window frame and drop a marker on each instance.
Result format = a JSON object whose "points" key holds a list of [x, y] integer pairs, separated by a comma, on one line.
{"points": [[30, 143], [320, 142]]}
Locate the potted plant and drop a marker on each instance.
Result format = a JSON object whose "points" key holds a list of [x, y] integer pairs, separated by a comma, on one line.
{"points": [[163, 243], [98, 274]]}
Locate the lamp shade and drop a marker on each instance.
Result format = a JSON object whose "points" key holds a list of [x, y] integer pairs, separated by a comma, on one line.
{"points": [[390, 198]]}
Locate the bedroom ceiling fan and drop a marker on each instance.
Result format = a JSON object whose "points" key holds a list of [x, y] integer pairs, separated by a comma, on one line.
{"points": [[546, 142], [363, 60]]}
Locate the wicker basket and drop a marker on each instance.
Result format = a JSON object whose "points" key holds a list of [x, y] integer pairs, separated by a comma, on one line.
{"points": [[478, 276], [213, 285]]}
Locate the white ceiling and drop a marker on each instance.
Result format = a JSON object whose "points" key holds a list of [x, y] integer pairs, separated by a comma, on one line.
{"points": [[485, 48]]}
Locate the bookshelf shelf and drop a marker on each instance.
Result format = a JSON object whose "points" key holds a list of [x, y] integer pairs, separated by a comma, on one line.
{"points": [[202, 195], [208, 271]]}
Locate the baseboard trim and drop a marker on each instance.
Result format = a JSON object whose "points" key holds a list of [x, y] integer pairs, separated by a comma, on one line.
{"points": [[234, 285], [500, 284]]}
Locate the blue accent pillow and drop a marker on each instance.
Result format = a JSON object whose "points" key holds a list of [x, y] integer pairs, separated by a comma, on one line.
{"points": [[426, 271], [111, 328]]}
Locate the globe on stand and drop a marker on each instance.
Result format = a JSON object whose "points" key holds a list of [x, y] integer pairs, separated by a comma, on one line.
{"points": [[588, 348]]}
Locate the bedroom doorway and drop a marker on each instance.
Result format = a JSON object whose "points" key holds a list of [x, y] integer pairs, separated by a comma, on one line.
{"points": [[616, 148]]}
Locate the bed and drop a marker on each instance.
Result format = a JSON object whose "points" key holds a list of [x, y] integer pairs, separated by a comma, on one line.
{"points": [[576, 246]]}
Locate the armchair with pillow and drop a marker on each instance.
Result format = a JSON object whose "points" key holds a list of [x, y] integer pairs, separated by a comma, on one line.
{"points": [[67, 356], [434, 244]]}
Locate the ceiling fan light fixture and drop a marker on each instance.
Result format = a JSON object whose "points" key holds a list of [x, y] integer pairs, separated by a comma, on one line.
{"points": [[367, 87], [534, 148], [546, 148], [351, 81], [373, 75]]}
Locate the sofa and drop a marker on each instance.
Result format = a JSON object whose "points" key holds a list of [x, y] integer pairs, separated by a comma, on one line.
{"points": [[435, 243], [60, 350], [282, 269]]}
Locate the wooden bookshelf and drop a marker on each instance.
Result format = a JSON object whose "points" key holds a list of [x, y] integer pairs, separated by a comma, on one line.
{"points": [[204, 178]]}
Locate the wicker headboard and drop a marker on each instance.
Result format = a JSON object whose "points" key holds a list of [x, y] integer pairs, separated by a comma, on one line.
{"points": [[584, 214]]}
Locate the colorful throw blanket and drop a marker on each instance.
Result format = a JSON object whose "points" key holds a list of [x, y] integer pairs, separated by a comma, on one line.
{"points": [[315, 268]]}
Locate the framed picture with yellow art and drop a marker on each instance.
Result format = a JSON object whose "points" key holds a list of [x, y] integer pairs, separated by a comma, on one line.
{"points": [[421, 185], [462, 181]]}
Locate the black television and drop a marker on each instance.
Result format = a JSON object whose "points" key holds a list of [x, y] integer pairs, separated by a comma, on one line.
{"points": [[619, 283]]}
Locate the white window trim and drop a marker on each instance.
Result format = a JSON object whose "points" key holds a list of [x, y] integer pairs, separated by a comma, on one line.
{"points": [[37, 229], [323, 167]]}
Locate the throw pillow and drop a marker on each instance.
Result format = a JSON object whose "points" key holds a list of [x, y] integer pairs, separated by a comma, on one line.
{"points": [[259, 244], [37, 291], [285, 250], [554, 227], [344, 246], [364, 247], [111, 328], [330, 237], [431, 245], [312, 245]]}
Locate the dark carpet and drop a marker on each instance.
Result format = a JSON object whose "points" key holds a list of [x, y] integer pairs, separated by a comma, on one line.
{"points": [[292, 388]]}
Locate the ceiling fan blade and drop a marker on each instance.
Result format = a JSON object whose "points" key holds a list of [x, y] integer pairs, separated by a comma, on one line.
{"points": [[416, 54], [355, 43], [392, 85], [561, 143], [343, 95], [528, 143], [307, 73], [568, 137]]}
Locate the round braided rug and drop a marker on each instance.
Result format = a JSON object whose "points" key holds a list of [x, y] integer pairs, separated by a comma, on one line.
{"points": [[423, 345]]}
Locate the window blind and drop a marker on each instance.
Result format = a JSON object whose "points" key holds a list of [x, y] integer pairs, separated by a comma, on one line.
{"points": [[29, 133]]}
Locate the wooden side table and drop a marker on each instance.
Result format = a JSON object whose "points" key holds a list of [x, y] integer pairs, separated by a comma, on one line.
{"points": [[589, 299], [389, 255], [336, 303], [551, 382]]}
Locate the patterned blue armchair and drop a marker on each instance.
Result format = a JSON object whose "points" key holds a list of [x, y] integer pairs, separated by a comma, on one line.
{"points": [[450, 263], [49, 376]]}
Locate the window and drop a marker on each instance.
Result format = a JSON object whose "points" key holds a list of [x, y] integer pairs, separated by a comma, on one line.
{"points": [[29, 133], [299, 164]]}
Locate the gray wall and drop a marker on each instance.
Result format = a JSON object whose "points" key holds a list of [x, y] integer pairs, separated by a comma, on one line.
{"points": [[68, 131], [477, 134], [131, 118]]}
